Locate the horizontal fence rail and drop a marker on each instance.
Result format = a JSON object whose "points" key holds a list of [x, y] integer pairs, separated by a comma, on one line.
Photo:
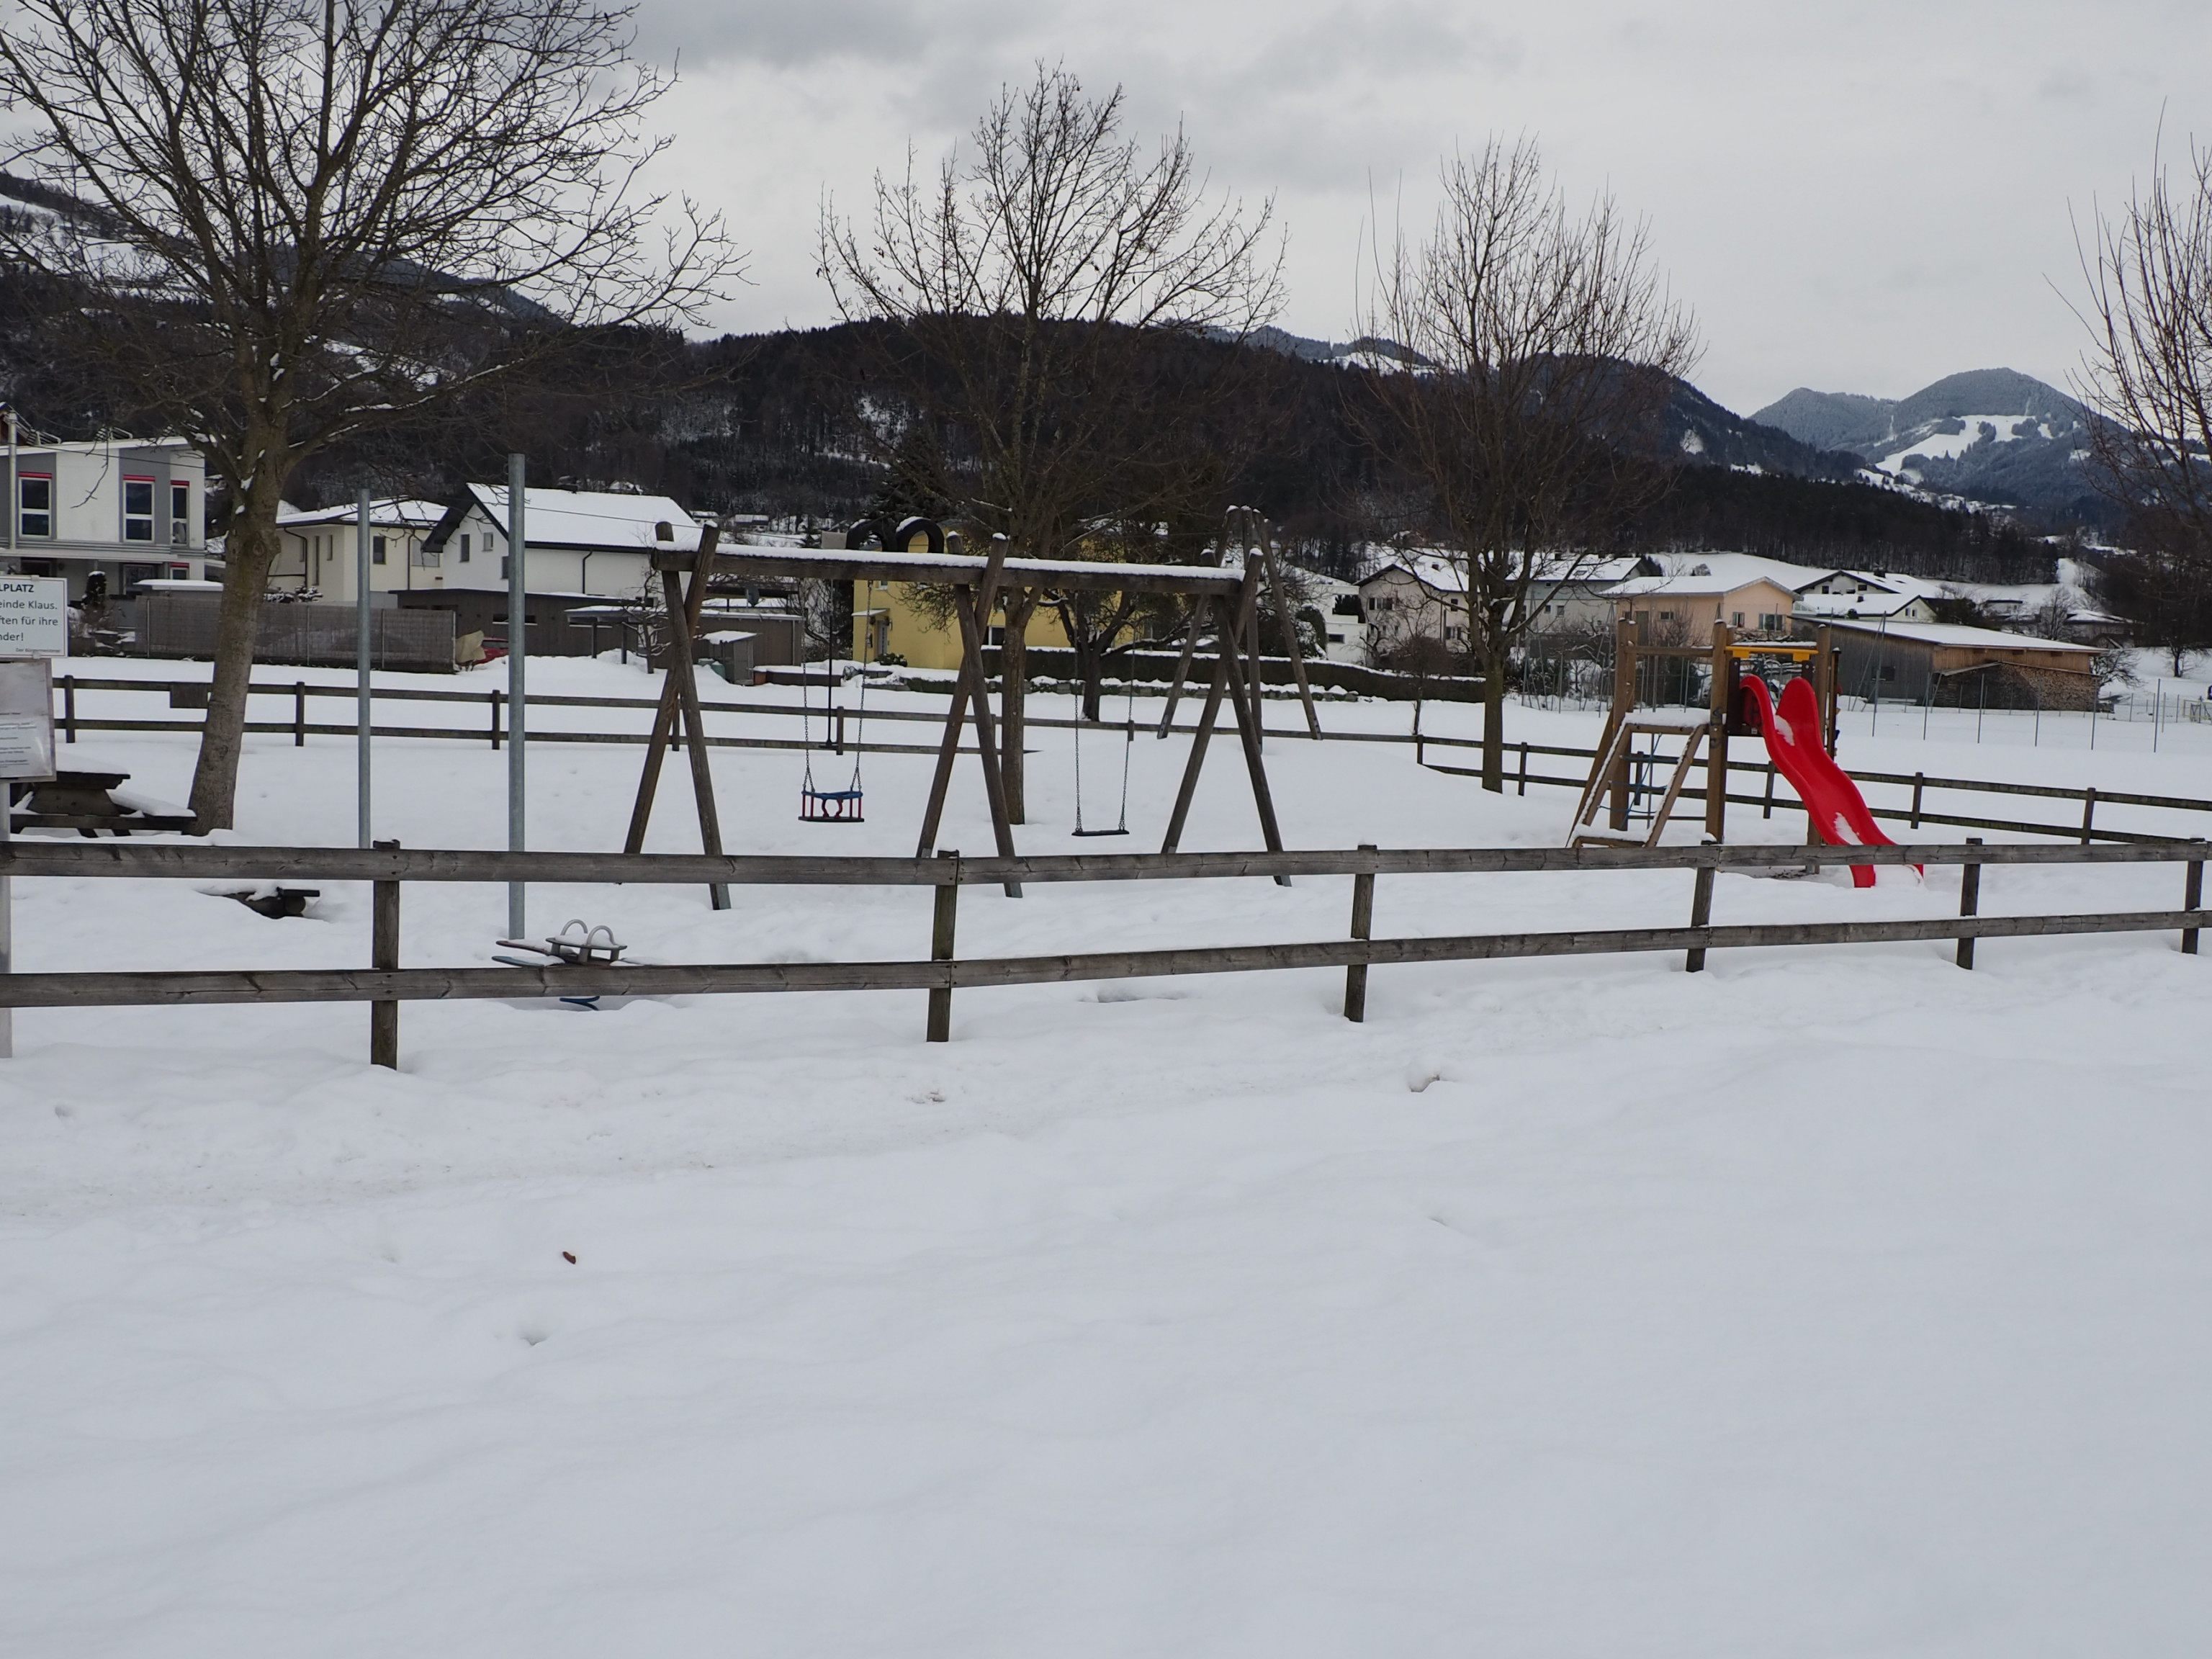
{"points": [[191, 862], [386, 985], [843, 732], [449, 984]]}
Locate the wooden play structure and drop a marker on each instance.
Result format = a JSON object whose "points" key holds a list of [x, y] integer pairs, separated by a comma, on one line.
{"points": [[1614, 785], [1225, 600]]}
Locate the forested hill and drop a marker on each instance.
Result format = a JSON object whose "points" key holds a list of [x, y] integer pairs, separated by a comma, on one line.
{"points": [[779, 423]]}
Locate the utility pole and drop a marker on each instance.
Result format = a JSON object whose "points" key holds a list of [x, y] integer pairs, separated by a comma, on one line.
{"points": [[517, 651], [362, 644]]}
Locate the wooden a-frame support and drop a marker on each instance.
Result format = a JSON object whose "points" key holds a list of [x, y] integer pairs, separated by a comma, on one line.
{"points": [[976, 585], [679, 700]]}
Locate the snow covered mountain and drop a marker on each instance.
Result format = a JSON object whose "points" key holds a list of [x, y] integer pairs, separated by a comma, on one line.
{"points": [[1991, 435]]}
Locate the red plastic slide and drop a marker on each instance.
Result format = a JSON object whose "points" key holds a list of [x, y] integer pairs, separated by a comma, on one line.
{"points": [[1832, 802]]}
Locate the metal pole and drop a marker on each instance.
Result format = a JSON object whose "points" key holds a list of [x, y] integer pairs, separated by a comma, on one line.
{"points": [[7, 908], [361, 657], [15, 503], [517, 653]]}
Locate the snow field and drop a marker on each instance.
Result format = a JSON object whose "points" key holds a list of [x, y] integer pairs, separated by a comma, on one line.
{"points": [[1829, 1301]]}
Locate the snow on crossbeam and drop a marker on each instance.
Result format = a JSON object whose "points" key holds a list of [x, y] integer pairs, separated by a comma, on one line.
{"points": [[959, 569]]}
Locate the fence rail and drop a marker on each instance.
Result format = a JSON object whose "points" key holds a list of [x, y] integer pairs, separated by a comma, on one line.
{"points": [[386, 985], [843, 722]]}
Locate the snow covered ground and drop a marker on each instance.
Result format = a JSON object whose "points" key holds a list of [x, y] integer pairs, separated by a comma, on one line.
{"points": [[1827, 1302]]}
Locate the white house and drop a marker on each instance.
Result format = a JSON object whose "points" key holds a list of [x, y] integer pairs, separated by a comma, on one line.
{"points": [[131, 510], [1871, 595], [580, 543], [1422, 594], [318, 548]]}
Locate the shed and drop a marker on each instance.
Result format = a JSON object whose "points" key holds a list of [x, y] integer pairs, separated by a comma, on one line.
{"points": [[1916, 662]]}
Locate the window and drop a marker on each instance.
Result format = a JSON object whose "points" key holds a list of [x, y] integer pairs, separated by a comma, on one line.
{"points": [[1770, 622], [1736, 620], [138, 509], [376, 549], [180, 513], [1889, 671], [465, 547], [506, 569], [35, 502], [1666, 615]]}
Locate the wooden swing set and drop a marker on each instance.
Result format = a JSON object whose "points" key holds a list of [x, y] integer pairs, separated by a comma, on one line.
{"points": [[1226, 600]]}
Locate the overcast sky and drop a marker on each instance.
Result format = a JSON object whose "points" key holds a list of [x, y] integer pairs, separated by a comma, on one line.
{"points": [[1857, 197]]}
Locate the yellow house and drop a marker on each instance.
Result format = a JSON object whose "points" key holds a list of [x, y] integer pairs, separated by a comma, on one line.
{"points": [[903, 625]]}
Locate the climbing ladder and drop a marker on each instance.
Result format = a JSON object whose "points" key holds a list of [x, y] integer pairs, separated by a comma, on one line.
{"points": [[1618, 755]]}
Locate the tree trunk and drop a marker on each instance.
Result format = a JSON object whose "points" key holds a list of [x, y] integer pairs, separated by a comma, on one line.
{"points": [[1013, 697], [250, 546], [1493, 722]]}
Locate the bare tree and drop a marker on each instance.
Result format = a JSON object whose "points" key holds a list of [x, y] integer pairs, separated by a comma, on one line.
{"points": [[1543, 348], [1022, 278], [2147, 370], [306, 219]]}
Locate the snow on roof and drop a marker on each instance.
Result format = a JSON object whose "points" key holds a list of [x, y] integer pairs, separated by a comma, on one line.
{"points": [[1855, 604], [391, 509], [1987, 639], [1717, 573], [582, 518], [1447, 575]]}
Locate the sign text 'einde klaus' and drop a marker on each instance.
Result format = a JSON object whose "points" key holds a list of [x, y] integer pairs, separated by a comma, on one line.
{"points": [[34, 617]]}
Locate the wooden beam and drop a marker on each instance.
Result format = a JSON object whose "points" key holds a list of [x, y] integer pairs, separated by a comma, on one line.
{"points": [[188, 861], [1290, 636], [983, 595], [1243, 700], [694, 724], [665, 710], [1195, 762], [1182, 668], [954, 569], [177, 989]]}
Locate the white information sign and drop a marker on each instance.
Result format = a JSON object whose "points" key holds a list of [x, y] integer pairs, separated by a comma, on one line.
{"points": [[26, 720], [34, 617]]}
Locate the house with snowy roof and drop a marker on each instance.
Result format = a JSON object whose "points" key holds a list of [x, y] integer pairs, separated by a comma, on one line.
{"points": [[580, 548], [1874, 595], [317, 548], [1689, 593], [1421, 593]]}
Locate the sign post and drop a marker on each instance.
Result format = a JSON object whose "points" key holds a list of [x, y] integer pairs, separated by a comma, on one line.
{"points": [[27, 756]]}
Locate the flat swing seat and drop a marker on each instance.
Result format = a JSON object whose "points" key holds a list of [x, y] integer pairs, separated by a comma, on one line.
{"points": [[830, 806]]}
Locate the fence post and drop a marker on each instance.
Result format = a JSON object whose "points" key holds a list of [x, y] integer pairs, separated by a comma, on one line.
{"points": [[69, 708], [1524, 789], [1363, 924], [943, 916], [383, 955], [1970, 900], [1701, 915], [2088, 810], [496, 696], [299, 713], [2192, 896], [1767, 809], [1919, 783]]}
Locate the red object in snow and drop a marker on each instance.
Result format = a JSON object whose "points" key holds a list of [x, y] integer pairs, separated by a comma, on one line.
{"points": [[1832, 802]]}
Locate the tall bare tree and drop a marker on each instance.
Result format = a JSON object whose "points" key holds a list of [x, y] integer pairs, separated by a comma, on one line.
{"points": [[306, 219], [1021, 276], [1541, 348], [2147, 370]]}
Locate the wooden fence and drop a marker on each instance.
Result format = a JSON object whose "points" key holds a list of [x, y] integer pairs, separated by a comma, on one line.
{"points": [[842, 730], [384, 984]]}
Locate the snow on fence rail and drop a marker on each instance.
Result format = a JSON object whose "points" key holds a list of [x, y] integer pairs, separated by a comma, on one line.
{"points": [[384, 985], [1922, 784]]}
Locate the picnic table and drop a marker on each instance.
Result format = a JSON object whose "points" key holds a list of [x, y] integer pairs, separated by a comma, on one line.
{"points": [[84, 801]]}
